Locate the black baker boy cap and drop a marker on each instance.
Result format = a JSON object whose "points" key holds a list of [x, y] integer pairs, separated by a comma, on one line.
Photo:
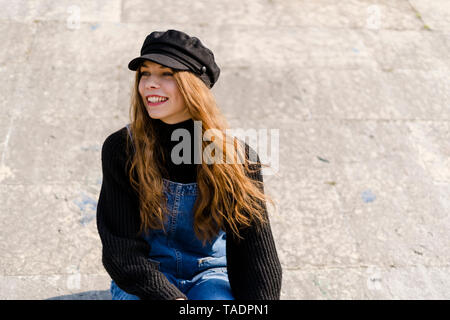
{"points": [[177, 50]]}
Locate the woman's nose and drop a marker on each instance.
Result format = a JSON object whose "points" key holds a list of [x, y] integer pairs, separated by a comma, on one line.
{"points": [[152, 82]]}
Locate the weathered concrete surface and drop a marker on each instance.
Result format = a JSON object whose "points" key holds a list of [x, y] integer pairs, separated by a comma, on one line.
{"points": [[359, 90]]}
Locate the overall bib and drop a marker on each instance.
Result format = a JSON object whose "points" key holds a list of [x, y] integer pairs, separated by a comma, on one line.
{"points": [[200, 272]]}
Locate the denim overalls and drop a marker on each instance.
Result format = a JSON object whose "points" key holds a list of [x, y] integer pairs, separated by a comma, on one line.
{"points": [[200, 272]]}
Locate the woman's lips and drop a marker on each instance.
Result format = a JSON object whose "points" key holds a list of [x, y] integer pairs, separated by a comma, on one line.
{"points": [[154, 104]]}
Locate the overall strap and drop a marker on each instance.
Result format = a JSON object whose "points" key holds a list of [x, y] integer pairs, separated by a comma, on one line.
{"points": [[131, 137]]}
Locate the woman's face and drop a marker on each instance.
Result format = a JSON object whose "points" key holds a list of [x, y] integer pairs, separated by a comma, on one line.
{"points": [[160, 94]]}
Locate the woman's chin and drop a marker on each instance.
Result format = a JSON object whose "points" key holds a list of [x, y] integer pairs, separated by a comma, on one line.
{"points": [[156, 115]]}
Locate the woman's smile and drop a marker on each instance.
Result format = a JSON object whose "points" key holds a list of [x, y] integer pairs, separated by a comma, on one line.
{"points": [[155, 100]]}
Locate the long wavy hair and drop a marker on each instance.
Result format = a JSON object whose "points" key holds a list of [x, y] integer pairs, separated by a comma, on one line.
{"points": [[227, 192]]}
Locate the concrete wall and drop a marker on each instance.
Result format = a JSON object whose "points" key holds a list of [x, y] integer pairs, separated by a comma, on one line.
{"points": [[359, 91]]}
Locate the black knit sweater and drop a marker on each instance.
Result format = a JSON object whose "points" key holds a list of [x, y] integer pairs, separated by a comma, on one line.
{"points": [[254, 270]]}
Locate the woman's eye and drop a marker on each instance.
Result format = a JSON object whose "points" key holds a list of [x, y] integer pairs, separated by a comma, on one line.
{"points": [[145, 73]]}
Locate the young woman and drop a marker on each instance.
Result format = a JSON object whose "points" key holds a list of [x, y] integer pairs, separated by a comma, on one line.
{"points": [[187, 229]]}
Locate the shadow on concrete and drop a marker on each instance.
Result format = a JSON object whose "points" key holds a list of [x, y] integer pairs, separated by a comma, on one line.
{"points": [[87, 295]]}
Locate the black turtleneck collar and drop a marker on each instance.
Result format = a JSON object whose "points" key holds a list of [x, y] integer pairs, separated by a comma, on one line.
{"points": [[182, 173], [165, 129]]}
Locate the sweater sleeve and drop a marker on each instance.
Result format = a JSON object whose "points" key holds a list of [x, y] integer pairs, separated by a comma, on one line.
{"points": [[125, 255], [254, 270]]}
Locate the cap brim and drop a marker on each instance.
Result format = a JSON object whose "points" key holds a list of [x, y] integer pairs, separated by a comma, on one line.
{"points": [[158, 58]]}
